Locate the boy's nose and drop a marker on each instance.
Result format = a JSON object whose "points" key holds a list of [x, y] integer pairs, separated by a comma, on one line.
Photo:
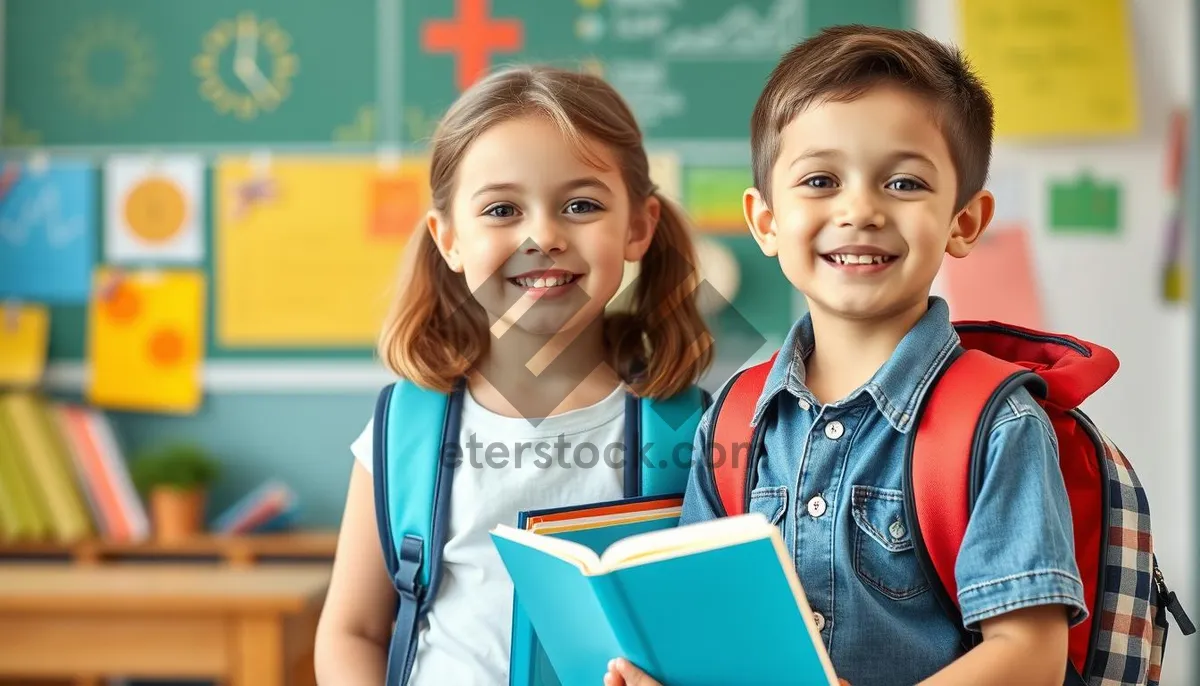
{"points": [[857, 209]]}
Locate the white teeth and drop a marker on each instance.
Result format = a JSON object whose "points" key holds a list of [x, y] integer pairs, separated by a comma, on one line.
{"points": [[858, 259], [543, 282]]}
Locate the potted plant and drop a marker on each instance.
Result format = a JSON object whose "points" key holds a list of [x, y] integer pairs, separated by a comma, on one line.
{"points": [[175, 478]]}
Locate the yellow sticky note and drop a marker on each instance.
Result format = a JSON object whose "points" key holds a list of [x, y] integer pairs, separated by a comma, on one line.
{"points": [[24, 334], [311, 258], [1061, 68], [146, 340]]}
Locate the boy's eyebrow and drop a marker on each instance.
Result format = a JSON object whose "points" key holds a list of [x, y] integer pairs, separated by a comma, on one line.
{"points": [[898, 156]]}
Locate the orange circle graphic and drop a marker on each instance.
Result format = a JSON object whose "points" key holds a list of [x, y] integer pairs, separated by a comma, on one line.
{"points": [[124, 304], [166, 347], [155, 209]]}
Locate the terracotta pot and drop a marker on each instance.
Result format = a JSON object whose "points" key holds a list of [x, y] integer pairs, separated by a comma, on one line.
{"points": [[178, 515]]}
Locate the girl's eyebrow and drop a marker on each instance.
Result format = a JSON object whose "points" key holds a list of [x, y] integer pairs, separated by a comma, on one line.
{"points": [[586, 182], [496, 187]]}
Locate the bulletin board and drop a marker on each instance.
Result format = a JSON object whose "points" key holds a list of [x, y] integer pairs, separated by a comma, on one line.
{"points": [[337, 81]]}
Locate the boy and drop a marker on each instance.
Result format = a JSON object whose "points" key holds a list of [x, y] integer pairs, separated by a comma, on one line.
{"points": [[870, 152]]}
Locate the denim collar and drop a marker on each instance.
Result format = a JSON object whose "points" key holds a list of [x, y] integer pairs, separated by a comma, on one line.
{"points": [[897, 388]]}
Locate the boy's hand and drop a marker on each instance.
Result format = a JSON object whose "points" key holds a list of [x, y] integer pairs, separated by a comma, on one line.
{"points": [[621, 672]]}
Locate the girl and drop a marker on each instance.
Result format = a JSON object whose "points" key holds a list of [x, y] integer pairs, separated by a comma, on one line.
{"points": [[541, 194]]}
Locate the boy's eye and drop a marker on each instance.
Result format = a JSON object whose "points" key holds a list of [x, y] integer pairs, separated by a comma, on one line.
{"points": [[501, 211], [905, 185], [581, 207], [822, 182]]}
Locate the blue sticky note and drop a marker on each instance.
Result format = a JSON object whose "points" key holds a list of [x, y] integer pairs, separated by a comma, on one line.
{"points": [[47, 232]]}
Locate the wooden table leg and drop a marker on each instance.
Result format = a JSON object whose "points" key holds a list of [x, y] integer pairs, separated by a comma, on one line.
{"points": [[258, 651]]}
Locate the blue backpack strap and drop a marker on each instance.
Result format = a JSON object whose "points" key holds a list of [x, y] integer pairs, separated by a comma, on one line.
{"points": [[412, 502], [658, 439]]}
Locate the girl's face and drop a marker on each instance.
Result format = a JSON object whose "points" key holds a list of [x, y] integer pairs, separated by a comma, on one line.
{"points": [[540, 235]]}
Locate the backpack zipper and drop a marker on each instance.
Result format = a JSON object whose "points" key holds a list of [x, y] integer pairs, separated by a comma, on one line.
{"points": [[1168, 599]]}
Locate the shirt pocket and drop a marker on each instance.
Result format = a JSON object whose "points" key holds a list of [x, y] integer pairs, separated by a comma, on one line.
{"points": [[770, 502], [883, 549]]}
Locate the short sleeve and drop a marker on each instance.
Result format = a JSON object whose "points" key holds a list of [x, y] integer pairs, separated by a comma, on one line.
{"points": [[1019, 548], [363, 447]]}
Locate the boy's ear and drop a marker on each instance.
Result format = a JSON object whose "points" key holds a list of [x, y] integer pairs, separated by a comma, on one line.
{"points": [[642, 227], [969, 224], [761, 221], [443, 237]]}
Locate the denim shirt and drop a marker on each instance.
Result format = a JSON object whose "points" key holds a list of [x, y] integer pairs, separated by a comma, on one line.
{"points": [[831, 478]]}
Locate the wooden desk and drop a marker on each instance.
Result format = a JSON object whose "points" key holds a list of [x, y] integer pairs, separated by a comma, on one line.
{"points": [[251, 626]]}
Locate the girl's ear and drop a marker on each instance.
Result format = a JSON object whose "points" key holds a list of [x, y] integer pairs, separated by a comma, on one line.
{"points": [[761, 220], [969, 224], [642, 226], [443, 236]]}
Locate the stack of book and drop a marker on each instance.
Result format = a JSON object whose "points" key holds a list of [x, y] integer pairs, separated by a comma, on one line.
{"points": [[63, 475]]}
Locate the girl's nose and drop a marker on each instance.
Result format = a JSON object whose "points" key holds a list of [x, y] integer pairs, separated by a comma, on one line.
{"points": [[545, 236]]}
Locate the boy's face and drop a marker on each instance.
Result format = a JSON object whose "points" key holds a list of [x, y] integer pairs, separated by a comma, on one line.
{"points": [[862, 205]]}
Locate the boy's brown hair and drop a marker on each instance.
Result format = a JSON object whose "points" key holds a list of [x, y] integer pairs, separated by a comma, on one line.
{"points": [[436, 331], [842, 63]]}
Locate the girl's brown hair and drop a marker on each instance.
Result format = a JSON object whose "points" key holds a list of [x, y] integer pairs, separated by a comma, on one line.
{"points": [[436, 331]]}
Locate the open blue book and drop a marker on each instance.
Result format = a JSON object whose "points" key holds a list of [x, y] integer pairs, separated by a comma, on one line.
{"points": [[679, 602]]}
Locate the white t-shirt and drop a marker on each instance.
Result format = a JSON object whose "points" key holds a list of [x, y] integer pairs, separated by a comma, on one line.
{"points": [[508, 465]]}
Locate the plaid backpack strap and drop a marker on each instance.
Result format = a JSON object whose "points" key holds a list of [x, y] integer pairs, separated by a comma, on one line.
{"points": [[1132, 627]]}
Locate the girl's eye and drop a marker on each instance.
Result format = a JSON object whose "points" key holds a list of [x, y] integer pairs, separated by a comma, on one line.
{"points": [[819, 182], [501, 211], [905, 185], [581, 207]]}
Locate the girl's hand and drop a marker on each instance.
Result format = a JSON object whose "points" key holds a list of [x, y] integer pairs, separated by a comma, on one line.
{"points": [[621, 672]]}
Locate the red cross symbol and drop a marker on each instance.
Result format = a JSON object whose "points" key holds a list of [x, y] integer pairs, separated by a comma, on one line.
{"points": [[472, 37]]}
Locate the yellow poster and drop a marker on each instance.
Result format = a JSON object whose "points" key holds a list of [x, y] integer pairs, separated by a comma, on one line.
{"points": [[308, 250], [24, 335], [146, 340], [1062, 68]]}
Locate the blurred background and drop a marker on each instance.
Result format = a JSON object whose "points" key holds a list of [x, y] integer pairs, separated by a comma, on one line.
{"points": [[203, 206]]}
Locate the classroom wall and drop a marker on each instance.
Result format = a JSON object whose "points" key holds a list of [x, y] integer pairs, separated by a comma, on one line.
{"points": [[1105, 289]]}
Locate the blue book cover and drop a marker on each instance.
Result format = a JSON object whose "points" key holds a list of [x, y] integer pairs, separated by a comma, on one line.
{"points": [[597, 526], [670, 601]]}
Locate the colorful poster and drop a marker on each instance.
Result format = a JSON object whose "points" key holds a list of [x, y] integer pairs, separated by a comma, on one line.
{"points": [[664, 173], [146, 340], [1085, 205], [307, 250], [997, 281], [1061, 68], [47, 231], [714, 197], [24, 334], [154, 209]]}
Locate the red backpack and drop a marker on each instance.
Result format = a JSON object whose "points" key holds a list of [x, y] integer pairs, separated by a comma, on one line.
{"points": [[1122, 640]]}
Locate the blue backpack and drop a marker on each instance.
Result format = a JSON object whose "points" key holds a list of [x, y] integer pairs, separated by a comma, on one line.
{"points": [[412, 517]]}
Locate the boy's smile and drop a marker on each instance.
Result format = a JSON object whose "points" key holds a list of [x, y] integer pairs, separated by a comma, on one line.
{"points": [[861, 205]]}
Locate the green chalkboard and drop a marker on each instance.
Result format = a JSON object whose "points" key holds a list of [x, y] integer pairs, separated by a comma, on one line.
{"points": [[148, 72], [690, 69]]}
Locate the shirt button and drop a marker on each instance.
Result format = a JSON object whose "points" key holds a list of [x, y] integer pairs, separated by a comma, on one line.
{"points": [[817, 506], [805, 405], [834, 430], [896, 530], [819, 620]]}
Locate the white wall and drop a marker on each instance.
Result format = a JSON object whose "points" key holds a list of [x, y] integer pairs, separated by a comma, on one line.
{"points": [[1105, 290]]}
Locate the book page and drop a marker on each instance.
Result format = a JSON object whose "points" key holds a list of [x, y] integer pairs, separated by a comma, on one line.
{"points": [[688, 539]]}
